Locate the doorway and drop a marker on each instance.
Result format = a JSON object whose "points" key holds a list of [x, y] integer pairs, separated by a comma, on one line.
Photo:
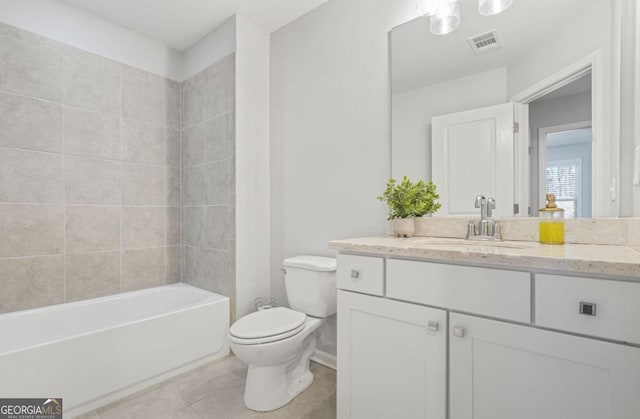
{"points": [[561, 157], [590, 73]]}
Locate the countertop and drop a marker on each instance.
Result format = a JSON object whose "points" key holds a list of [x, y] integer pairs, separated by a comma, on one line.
{"points": [[573, 258]]}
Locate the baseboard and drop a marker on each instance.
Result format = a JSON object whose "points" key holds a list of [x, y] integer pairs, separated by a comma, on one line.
{"points": [[326, 359]]}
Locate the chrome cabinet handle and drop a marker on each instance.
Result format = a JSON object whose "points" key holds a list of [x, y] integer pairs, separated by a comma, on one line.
{"points": [[588, 309], [355, 274], [458, 332]]}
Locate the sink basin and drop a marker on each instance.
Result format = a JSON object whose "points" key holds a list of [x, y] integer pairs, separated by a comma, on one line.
{"points": [[473, 243]]}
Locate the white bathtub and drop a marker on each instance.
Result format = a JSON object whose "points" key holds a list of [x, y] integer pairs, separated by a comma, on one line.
{"points": [[95, 351]]}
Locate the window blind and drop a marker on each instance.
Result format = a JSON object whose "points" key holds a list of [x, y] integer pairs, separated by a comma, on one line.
{"points": [[562, 181]]}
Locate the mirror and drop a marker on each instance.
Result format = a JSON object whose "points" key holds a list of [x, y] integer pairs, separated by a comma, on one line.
{"points": [[548, 51]]}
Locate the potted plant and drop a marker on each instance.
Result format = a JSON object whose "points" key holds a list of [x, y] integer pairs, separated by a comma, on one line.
{"points": [[407, 200]]}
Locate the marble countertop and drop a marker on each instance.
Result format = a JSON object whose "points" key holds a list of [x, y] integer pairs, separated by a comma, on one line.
{"points": [[574, 258]]}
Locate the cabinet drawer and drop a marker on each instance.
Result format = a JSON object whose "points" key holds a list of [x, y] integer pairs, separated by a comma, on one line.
{"points": [[490, 292], [361, 274], [615, 306]]}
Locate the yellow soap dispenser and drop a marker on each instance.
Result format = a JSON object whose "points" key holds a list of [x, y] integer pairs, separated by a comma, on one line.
{"points": [[551, 222]]}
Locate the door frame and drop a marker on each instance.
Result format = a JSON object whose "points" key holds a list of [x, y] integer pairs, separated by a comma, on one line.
{"points": [[601, 151]]}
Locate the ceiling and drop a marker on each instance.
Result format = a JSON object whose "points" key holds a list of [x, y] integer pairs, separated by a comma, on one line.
{"points": [[180, 23], [420, 58]]}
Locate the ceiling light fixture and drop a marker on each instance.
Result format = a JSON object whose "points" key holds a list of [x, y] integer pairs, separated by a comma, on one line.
{"points": [[445, 14], [446, 18]]}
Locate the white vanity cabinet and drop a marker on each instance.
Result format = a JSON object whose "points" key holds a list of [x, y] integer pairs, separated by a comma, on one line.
{"points": [[392, 359], [500, 370], [398, 357]]}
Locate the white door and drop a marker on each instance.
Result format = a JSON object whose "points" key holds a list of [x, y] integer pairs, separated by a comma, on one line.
{"points": [[472, 154], [505, 371], [392, 359]]}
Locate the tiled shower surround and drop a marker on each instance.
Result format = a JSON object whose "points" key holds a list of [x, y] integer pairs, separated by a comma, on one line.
{"points": [[208, 161], [90, 175]]}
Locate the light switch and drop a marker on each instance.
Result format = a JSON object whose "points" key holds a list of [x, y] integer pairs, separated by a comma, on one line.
{"points": [[613, 189]]}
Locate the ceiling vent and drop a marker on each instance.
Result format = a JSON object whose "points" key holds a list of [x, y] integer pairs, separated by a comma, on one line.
{"points": [[484, 42]]}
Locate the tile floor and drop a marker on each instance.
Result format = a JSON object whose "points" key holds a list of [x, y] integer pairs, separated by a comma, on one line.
{"points": [[215, 391]]}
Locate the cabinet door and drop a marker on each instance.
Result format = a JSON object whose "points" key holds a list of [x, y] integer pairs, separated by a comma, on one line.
{"points": [[391, 359], [505, 371]]}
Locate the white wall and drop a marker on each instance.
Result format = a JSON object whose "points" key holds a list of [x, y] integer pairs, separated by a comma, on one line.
{"points": [[252, 164], [582, 35], [217, 44], [413, 110], [64, 23], [559, 111], [330, 127]]}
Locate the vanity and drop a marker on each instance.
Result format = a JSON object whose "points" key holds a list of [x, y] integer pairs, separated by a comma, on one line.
{"points": [[441, 328]]}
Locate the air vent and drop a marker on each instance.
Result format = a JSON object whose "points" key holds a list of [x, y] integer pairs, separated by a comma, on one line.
{"points": [[484, 42]]}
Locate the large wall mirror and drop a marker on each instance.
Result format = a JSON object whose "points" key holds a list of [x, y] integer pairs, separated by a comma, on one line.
{"points": [[533, 112]]}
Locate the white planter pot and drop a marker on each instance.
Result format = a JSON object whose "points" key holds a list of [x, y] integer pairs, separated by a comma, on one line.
{"points": [[404, 227]]}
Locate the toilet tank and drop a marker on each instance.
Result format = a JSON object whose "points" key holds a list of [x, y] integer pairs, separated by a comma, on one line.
{"points": [[310, 282]]}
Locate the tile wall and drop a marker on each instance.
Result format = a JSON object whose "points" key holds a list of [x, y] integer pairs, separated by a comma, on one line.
{"points": [[208, 161], [90, 175]]}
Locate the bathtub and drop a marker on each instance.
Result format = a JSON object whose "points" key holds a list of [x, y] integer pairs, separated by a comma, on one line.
{"points": [[93, 352]]}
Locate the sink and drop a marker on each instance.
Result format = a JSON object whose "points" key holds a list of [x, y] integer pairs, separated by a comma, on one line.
{"points": [[432, 241]]}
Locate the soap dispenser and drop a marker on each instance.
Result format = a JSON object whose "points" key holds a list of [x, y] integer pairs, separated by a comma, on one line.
{"points": [[551, 222]]}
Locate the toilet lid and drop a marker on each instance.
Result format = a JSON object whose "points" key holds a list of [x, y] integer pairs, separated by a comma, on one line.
{"points": [[267, 323], [313, 263]]}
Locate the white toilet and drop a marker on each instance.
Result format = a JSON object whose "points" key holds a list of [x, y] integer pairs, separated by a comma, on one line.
{"points": [[277, 343]]}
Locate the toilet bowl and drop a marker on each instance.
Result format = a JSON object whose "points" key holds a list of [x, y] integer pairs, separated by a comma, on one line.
{"points": [[277, 343]]}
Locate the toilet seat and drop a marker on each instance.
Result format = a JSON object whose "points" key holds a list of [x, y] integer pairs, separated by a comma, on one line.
{"points": [[267, 326]]}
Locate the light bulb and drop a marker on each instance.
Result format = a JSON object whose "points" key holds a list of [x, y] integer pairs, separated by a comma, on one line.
{"points": [[446, 18]]}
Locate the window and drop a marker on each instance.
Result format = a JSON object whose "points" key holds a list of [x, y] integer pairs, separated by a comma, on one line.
{"points": [[563, 180]]}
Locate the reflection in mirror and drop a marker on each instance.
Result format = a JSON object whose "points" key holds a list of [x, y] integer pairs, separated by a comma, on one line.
{"points": [[435, 76], [561, 148]]}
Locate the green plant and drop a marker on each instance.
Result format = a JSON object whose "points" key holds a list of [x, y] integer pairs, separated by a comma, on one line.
{"points": [[408, 199]]}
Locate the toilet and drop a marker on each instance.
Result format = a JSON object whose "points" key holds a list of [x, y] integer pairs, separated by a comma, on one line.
{"points": [[277, 343]]}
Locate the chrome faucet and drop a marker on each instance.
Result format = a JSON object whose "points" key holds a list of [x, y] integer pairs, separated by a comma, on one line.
{"points": [[486, 211], [481, 202], [491, 205]]}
